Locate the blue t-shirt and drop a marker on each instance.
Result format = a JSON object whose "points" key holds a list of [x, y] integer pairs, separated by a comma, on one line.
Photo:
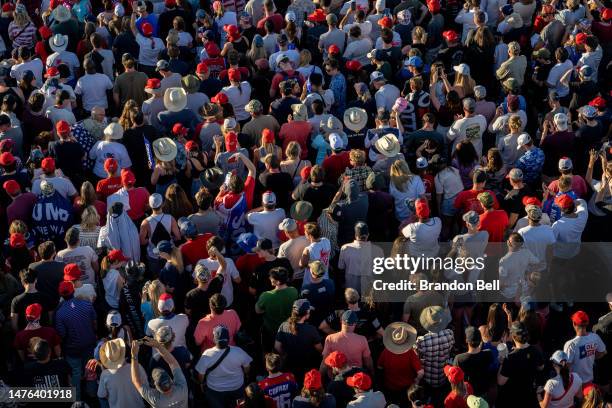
{"points": [[151, 19]]}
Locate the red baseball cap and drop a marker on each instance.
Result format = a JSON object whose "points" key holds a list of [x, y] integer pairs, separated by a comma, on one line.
{"points": [[433, 5], [231, 141], [45, 32], [153, 83], [127, 177], [6, 159], [170, 3], [587, 388], [48, 164], [333, 49], [12, 187], [386, 22], [65, 288], [62, 127], [421, 208], [33, 311], [191, 146], [312, 380], [548, 9], [336, 359], [202, 68], [147, 29], [580, 318], [317, 16], [581, 38], [17, 240], [606, 14], [52, 72], [111, 165], [179, 130], [564, 201], [219, 98], [353, 65], [6, 145], [72, 272], [233, 74], [305, 172], [267, 136], [531, 201], [454, 374], [361, 381], [117, 256], [450, 35], [6, 7], [598, 102]]}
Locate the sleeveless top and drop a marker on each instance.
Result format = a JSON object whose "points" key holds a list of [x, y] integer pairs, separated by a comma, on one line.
{"points": [[153, 220]]}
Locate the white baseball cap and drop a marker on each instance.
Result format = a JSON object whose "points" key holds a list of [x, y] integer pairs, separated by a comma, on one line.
{"points": [[335, 141], [421, 163], [155, 200], [522, 140], [268, 198], [560, 120]]}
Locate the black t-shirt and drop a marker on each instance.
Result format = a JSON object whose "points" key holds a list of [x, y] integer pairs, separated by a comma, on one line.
{"points": [[520, 367], [55, 373], [300, 348], [197, 299], [281, 108], [347, 214], [68, 157], [321, 297], [339, 389], [134, 142], [319, 196], [477, 369], [260, 279], [125, 42], [49, 274], [367, 322], [22, 301], [282, 186], [513, 201]]}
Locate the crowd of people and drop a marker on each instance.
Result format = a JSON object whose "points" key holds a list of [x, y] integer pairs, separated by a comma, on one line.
{"points": [[194, 194]]}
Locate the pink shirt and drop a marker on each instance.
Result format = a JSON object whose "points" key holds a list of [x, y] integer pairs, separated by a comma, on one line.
{"points": [[354, 346], [204, 330], [578, 186]]}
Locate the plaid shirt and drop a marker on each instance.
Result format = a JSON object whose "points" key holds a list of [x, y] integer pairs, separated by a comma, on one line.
{"points": [[359, 174], [434, 351]]}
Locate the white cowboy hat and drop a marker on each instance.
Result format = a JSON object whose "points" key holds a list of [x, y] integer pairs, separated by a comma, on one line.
{"points": [[112, 354], [114, 131], [399, 337], [58, 42], [388, 145], [61, 14], [164, 149], [175, 99], [355, 119]]}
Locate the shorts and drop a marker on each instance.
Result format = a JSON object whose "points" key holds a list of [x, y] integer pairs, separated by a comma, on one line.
{"points": [[448, 208]]}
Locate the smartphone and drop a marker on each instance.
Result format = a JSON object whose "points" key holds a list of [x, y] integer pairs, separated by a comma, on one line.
{"points": [[353, 5]]}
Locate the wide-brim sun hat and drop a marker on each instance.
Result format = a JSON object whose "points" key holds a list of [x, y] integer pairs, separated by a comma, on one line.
{"points": [[112, 354], [61, 14], [435, 318], [388, 145], [164, 149], [58, 42], [399, 337], [175, 99], [355, 119]]}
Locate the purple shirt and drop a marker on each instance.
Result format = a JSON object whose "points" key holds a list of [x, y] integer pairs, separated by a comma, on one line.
{"points": [[21, 208]]}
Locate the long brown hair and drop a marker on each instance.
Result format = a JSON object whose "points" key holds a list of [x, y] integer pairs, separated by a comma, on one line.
{"points": [[315, 396], [176, 202]]}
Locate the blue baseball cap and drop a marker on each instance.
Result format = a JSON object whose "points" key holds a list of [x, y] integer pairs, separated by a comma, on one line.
{"points": [[302, 306], [200, 13], [415, 61], [187, 227], [247, 241], [221, 335], [350, 317], [164, 246]]}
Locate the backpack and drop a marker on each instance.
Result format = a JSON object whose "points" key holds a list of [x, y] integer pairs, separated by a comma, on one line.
{"points": [[160, 233]]}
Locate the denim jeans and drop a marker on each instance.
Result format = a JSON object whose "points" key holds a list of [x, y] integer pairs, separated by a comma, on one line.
{"points": [[78, 369], [223, 399]]}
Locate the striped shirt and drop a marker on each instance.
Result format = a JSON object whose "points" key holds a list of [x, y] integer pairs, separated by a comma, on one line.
{"points": [[74, 323], [22, 36]]}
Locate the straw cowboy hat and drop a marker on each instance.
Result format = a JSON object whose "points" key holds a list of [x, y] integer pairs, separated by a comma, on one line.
{"points": [[191, 83], [388, 145], [175, 99], [61, 14], [58, 42], [112, 354], [164, 149], [399, 337], [355, 119], [113, 131]]}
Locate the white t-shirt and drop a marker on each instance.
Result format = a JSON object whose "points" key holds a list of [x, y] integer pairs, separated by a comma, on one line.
{"points": [[365, 26], [555, 75], [178, 323], [318, 251], [111, 289], [92, 88], [537, 239], [293, 55], [64, 57], [358, 50], [55, 114], [523, 222], [423, 237], [185, 39], [568, 232], [265, 224], [396, 41], [512, 268], [239, 99], [62, 185], [470, 129], [581, 351], [413, 190], [448, 182], [83, 256], [386, 95], [357, 257], [560, 397], [35, 65], [227, 376], [149, 49], [230, 271], [117, 387], [103, 150]]}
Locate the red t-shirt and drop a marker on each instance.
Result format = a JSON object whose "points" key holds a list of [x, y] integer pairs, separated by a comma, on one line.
{"points": [[229, 199], [495, 223], [335, 165], [108, 186], [22, 338], [246, 265], [139, 201], [277, 20], [400, 370], [453, 400], [195, 249], [296, 131], [283, 76], [578, 186], [244, 74], [467, 201], [429, 183]]}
